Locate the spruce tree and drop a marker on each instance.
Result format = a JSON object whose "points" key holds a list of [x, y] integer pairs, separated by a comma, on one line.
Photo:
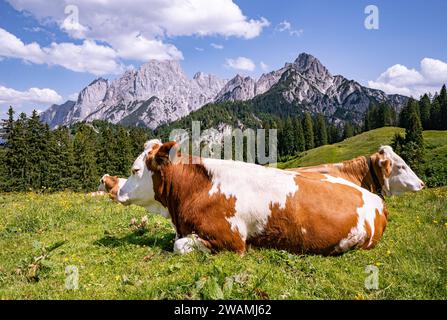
{"points": [[300, 143], [62, 159], [138, 138], [308, 131], [411, 106], [18, 160], [348, 131], [425, 109], [7, 126], [37, 135], [84, 146], [443, 108], [411, 148], [321, 135], [384, 116], [123, 153], [435, 115]]}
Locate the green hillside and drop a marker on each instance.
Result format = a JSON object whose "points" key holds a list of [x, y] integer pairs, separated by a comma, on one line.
{"points": [[368, 143]]}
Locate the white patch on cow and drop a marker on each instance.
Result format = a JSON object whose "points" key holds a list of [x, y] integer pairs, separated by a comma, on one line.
{"points": [[139, 188], [121, 182], [255, 189], [371, 202], [303, 230], [189, 244]]}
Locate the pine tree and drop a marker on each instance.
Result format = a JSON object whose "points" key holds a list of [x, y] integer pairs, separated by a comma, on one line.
{"points": [[123, 153], [84, 146], [435, 115], [443, 108], [138, 137], [308, 131], [384, 116], [334, 134], [348, 131], [7, 127], [300, 143], [411, 106], [106, 151], [425, 109], [411, 148], [62, 160], [37, 135], [367, 125], [17, 159], [321, 136]]}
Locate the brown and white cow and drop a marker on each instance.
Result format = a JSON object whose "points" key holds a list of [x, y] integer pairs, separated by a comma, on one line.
{"points": [[226, 205], [384, 172], [110, 185]]}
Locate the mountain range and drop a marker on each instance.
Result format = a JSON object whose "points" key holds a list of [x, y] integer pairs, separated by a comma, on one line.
{"points": [[159, 92]]}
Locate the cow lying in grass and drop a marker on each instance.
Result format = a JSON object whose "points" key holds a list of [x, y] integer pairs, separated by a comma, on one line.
{"points": [[226, 205], [384, 172], [109, 185]]}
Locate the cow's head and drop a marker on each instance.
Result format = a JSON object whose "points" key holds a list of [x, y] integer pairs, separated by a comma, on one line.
{"points": [[398, 176], [139, 189], [107, 183]]}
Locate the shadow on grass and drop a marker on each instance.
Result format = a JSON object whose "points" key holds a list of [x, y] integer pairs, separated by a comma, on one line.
{"points": [[163, 241]]}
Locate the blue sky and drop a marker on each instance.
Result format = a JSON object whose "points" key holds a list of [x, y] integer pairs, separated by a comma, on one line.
{"points": [[407, 54]]}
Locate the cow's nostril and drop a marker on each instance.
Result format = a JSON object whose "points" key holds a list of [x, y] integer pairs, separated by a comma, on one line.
{"points": [[422, 185]]}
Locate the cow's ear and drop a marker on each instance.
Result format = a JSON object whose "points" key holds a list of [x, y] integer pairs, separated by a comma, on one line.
{"points": [[166, 153], [386, 166]]}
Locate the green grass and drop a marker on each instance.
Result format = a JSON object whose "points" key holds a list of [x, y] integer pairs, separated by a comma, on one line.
{"points": [[365, 144], [93, 234]]}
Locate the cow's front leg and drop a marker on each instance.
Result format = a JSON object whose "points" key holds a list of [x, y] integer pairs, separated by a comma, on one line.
{"points": [[189, 244]]}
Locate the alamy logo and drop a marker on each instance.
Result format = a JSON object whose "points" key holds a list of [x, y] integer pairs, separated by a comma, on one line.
{"points": [[71, 278], [372, 20], [372, 280], [250, 146]]}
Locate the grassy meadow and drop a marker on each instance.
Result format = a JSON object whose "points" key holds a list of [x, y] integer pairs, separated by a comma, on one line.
{"points": [[40, 235]]}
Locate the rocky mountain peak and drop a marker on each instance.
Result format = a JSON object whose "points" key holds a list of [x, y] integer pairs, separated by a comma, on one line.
{"points": [[308, 64]]}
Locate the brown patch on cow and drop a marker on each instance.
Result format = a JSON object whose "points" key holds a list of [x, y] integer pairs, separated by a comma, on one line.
{"points": [[184, 190], [380, 222], [315, 219], [356, 171], [368, 235]]}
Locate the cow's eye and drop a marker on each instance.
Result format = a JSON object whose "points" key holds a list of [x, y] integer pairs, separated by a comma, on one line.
{"points": [[135, 171]]}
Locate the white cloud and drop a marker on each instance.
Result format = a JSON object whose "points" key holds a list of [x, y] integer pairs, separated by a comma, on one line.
{"points": [[297, 33], [217, 46], [87, 57], [138, 29], [287, 26], [399, 79], [137, 47], [434, 71], [264, 66], [284, 26], [241, 63], [199, 49], [33, 95]]}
